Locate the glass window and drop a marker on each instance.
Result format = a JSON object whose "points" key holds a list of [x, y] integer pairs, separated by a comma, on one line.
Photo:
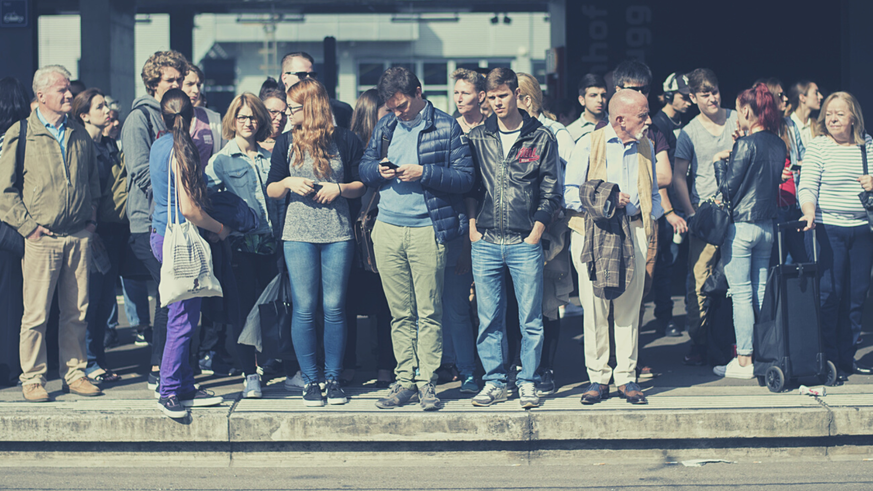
{"points": [[499, 64], [409, 65], [439, 98], [369, 73], [539, 70], [436, 73], [469, 65]]}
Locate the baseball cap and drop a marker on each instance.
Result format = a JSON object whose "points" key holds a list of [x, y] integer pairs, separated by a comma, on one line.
{"points": [[677, 82]]}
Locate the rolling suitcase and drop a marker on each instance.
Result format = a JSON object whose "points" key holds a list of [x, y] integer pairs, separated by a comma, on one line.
{"points": [[787, 343]]}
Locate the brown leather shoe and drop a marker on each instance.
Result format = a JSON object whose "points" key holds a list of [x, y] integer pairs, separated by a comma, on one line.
{"points": [[632, 393], [83, 388], [34, 393], [595, 393]]}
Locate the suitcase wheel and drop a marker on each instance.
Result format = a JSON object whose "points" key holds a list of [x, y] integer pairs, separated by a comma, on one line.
{"points": [[775, 379], [830, 379], [761, 381]]}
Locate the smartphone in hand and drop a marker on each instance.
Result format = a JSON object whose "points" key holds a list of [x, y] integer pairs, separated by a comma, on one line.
{"points": [[316, 186], [388, 164]]}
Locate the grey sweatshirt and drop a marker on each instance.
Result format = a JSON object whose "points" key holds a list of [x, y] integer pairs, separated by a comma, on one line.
{"points": [[137, 136]]}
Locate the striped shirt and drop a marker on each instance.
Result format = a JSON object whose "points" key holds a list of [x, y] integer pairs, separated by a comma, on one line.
{"points": [[829, 179]]}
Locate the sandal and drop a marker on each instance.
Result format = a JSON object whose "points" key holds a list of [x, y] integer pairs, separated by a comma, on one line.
{"points": [[102, 375]]}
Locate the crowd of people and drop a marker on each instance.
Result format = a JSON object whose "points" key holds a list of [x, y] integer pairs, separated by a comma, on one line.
{"points": [[488, 221]]}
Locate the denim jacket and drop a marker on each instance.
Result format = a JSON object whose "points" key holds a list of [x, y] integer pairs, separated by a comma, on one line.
{"points": [[234, 171]]}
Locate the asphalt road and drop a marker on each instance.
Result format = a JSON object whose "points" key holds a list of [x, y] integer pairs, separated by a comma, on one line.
{"points": [[795, 475]]}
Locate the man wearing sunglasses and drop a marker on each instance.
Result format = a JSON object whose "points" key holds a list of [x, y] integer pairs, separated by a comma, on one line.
{"points": [[299, 65]]}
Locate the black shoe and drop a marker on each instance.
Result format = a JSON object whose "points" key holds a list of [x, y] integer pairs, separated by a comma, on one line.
{"points": [[205, 363], [861, 369], [110, 339], [335, 394], [312, 395], [546, 385], [672, 330], [271, 369], [143, 336], [154, 380], [171, 407]]}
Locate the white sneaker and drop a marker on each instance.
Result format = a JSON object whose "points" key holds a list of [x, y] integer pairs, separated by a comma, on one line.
{"points": [[252, 388], [719, 370], [734, 370], [295, 383]]}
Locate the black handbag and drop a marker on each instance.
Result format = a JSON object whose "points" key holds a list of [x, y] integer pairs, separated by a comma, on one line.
{"points": [[364, 234], [866, 197], [276, 322], [710, 223]]}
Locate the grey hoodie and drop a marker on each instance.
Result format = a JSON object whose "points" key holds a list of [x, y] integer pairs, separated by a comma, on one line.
{"points": [[137, 136]]}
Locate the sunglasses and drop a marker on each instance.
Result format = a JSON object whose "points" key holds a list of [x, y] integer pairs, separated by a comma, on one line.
{"points": [[302, 75], [642, 89]]}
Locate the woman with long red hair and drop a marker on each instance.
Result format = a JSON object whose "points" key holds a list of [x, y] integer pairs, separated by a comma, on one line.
{"points": [[318, 163], [751, 186]]}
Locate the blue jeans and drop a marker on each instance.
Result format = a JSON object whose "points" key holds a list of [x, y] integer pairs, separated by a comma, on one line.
{"points": [[457, 325], [136, 302], [746, 257], [314, 267], [525, 263], [845, 255]]}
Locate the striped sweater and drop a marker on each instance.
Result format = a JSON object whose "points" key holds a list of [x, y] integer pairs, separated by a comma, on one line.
{"points": [[829, 179]]}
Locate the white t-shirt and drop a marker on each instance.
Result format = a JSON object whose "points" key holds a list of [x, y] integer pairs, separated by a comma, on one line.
{"points": [[508, 139]]}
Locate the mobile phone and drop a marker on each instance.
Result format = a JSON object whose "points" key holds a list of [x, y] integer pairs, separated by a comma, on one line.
{"points": [[795, 168], [316, 186], [388, 164]]}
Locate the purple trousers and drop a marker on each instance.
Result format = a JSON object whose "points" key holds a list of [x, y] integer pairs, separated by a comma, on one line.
{"points": [[177, 377]]}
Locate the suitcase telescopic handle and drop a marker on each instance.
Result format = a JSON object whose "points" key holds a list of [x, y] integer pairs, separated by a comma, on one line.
{"points": [[796, 225]]}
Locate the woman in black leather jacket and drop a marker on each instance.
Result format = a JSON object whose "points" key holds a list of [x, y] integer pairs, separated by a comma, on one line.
{"points": [[750, 184]]}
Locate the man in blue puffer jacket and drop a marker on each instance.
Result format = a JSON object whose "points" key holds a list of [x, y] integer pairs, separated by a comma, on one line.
{"points": [[422, 169]]}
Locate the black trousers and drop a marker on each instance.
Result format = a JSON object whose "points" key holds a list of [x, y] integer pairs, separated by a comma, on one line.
{"points": [[139, 243], [252, 272], [11, 309]]}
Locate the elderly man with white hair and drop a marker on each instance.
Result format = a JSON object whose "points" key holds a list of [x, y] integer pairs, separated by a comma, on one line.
{"points": [[51, 199], [612, 265]]}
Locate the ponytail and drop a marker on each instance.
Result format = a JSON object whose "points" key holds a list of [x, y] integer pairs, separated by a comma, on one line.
{"points": [[760, 100], [177, 113]]}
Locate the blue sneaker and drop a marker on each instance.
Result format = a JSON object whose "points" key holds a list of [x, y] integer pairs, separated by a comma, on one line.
{"points": [[469, 386]]}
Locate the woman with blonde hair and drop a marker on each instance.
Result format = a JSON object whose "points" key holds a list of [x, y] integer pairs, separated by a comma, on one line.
{"points": [[241, 168], [832, 177], [317, 163]]}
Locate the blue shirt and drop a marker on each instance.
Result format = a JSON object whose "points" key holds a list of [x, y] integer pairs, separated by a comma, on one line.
{"points": [[58, 132], [159, 166], [402, 203], [624, 174]]}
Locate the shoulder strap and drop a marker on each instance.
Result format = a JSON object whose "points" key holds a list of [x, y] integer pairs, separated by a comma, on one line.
{"points": [[386, 142], [864, 156], [148, 119], [19, 151]]}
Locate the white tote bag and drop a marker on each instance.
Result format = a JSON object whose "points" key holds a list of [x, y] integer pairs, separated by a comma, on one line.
{"points": [[187, 268]]}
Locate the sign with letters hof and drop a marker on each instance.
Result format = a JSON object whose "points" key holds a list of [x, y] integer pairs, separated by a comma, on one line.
{"points": [[13, 13]]}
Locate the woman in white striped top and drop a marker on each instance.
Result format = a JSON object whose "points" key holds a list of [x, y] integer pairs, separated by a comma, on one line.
{"points": [[832, 176]]}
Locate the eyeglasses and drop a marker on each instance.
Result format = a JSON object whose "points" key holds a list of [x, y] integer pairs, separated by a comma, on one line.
{"points": [[644, 89], [302, 75], [782, 95], [294, 109], [274, 113], [243, 119]]}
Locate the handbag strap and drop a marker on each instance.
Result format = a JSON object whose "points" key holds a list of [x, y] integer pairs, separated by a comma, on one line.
{"points": [[175, 210], [864, 157]]}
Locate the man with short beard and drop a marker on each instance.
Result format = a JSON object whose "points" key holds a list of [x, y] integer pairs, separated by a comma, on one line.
{"points": [[618, 153]]}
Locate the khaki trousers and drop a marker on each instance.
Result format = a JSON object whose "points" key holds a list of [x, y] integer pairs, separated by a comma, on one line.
{"points": [[625, 308], [50, 263], [702, 259], [412, 266]]}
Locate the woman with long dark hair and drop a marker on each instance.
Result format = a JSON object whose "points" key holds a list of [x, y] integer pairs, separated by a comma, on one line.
{"points": [[318, 163], [366, 296], [14, 107], [92, 112], [751, 184], [274, 101], [174, 162], [804, 100]]}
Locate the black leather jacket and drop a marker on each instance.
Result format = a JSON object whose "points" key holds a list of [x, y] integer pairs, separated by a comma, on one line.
{"points": [[752, 177], [514, 192]]}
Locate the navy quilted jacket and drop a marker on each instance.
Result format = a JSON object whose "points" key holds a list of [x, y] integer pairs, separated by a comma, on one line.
{"points": [[447, 169]]}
